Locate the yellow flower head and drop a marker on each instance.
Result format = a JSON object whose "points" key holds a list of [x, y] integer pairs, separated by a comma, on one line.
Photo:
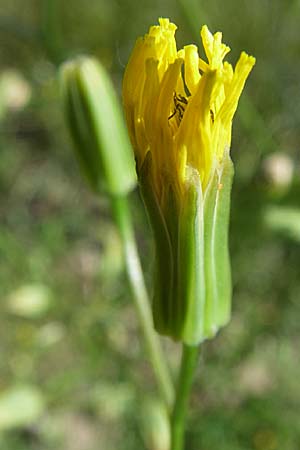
{"points": [[179, 110], [180, 107]]}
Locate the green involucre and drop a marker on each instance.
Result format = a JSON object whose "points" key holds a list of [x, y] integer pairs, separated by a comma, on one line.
{"points": [[96, 124], [192, 289]]}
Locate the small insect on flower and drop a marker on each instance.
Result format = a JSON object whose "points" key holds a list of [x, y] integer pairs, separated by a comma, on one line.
{"points": [[179, 108]]}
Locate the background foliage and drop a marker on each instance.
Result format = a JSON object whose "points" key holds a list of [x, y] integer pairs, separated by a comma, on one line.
{"points": [[72, 366]]}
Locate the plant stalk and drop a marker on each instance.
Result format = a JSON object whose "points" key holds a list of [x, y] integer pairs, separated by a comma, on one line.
{"points": [[139, 293], [51, 30], [189, 359]]}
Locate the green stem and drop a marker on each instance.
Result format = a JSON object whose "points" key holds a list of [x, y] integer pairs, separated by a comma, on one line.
{"points": [[51, 30], [187, 369], [136, 281]]}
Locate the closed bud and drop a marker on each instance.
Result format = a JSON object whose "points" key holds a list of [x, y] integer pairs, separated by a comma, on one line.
{"points": [[96, 124]]}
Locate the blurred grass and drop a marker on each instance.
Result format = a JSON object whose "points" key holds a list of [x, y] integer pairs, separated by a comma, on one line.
{"points": [[82, 353]]}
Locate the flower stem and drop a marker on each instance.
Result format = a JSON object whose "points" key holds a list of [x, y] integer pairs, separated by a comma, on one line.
{"points": [[189, 361], [140, 297], [51, 30]]}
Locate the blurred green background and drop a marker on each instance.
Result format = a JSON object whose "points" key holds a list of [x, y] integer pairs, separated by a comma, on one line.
{"points": [[73, 371]]}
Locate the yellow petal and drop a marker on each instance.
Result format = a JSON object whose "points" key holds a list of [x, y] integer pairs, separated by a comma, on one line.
{"points": [[191, 67], [180, 107], [241, 72]]}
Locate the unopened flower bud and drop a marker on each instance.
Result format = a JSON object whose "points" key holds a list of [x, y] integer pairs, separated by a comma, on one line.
{"points": [[97, 127]]}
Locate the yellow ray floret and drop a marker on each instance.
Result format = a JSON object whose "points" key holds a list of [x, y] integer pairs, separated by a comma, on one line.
{"points": [[180, 107]]}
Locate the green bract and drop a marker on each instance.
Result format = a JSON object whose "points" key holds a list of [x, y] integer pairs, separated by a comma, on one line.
{"points": [[96, 125], [192, 292]]}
